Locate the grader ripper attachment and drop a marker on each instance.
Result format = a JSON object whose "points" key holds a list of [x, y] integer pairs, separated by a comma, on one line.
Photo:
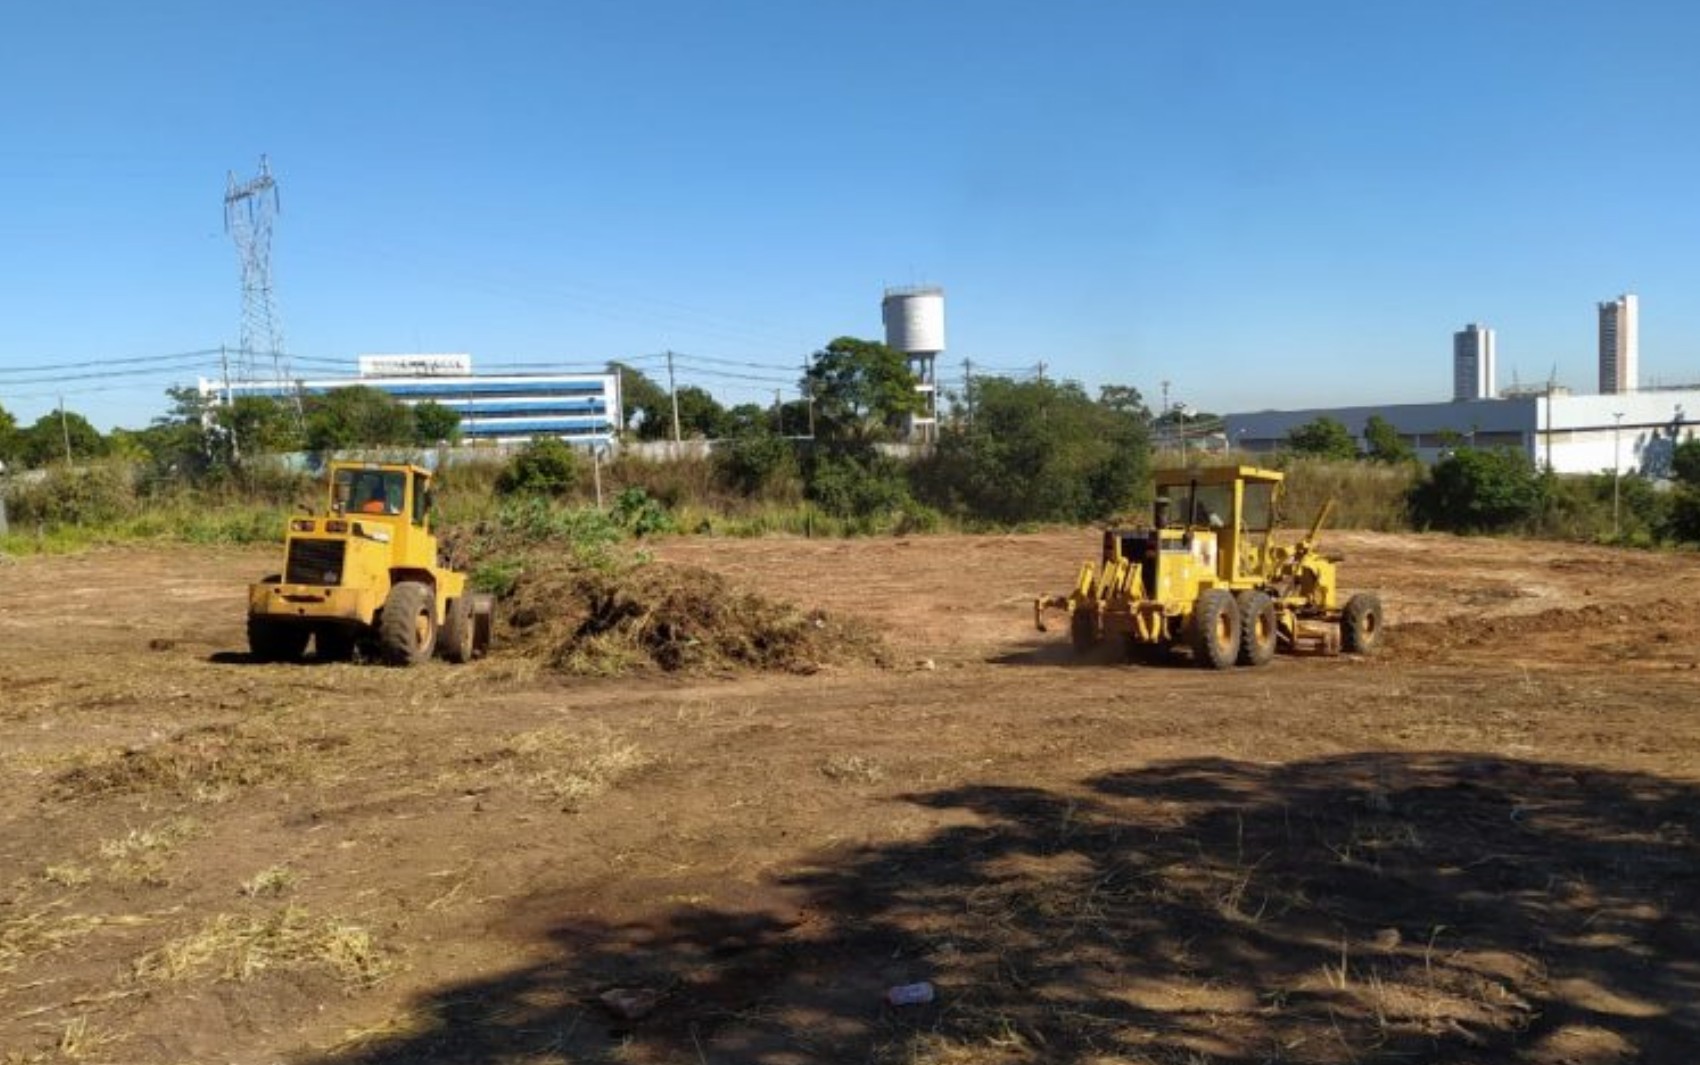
{"points": [[365, 574], [1209, 575]]}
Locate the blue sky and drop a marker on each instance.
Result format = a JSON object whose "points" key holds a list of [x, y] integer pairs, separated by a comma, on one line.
{"points": [[1266, 204]]}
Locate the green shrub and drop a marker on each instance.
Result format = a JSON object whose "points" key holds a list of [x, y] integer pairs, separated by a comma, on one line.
{"points": [[543, 467], [1478, 491], [641, 515], [758, 464], [99, 493]]}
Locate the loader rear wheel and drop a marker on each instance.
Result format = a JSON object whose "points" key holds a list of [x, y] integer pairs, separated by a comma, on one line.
{"points": [[1215, 630], [1257, 629], [1083, 630], [456, 642], [1360, 624], [270, 640], [407, 632]]}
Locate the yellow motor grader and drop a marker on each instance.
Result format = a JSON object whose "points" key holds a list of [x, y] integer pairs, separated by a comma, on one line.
{"points": [[1208, 575], [365, 574]]}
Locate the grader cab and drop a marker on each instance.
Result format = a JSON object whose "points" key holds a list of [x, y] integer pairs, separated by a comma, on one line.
{"points": [[364, 574], [1208, 574]]}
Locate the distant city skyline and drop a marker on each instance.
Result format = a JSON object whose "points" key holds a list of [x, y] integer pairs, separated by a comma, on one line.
{"points": [[1473, 374], [1620, 345]]}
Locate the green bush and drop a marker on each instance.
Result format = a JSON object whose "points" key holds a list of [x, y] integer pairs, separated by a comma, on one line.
{"points": [[641, 515], [99, 493], [1478, 491], [758, 464], [868, 486], [543, 467]]}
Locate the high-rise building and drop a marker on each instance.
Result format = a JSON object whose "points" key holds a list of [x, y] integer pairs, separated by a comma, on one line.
{"points": [[1472, 363], [1620, 344]]}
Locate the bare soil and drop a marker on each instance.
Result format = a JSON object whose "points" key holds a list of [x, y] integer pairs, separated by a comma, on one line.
{"points": [[1478, 846]]}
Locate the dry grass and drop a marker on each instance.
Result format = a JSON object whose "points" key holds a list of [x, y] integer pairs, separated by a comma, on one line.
{"points": [[29, 930], [272, 881], [240, 946], [142, 854], [852, 769], [204, 764], [568, 766]]}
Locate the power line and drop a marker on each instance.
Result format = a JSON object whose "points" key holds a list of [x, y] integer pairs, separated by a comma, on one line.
{"points": [[127, 361]]}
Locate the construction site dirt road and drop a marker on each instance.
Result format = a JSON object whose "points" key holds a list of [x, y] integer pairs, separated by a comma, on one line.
{"points": [[1479, 846]]}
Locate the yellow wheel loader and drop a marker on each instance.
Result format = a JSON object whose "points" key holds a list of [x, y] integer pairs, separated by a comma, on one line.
{"points": [[365, 574], [1208, 575]]}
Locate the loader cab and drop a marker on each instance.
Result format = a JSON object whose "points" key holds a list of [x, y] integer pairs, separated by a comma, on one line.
{"points": [[370, 490]]}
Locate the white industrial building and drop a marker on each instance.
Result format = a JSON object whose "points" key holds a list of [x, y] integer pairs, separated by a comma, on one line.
{"points": [[504, 409], [1631, 432]]}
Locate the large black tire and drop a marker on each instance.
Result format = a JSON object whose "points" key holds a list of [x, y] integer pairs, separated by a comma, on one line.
{"points": [[483, 622], [1360, 624], [1257, 629], [270, 640], [333, 643], [407, 630], [1215, 630], [456, 640], [1083, 631]]}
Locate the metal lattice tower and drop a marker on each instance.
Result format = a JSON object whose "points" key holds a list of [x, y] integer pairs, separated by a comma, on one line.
{"points": [[249, 208]]}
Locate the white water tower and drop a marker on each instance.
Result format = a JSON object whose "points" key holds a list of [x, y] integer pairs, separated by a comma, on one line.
{"points": [[914, 325]]}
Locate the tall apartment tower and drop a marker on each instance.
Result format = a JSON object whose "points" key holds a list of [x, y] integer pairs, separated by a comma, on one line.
{"points": [[1472, 363], [1620, 344]]}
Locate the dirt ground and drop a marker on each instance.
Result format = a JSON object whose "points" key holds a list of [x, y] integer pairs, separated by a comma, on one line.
{"points": [[1479, 846]]}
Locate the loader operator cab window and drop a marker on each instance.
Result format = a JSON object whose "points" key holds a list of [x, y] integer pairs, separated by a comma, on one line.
{"points": [[371, 491]]}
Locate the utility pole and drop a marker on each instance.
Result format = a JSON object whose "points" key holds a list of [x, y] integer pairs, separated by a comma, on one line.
{"points": [[778, 413], [1041, 371], [65, 430], [968, 387], [673, 394]]}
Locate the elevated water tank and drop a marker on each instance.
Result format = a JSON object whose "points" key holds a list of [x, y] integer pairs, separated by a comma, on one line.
{"points": [[914, 319]]}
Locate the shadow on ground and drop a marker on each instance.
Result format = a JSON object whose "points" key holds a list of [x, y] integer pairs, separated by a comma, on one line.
{"points": [[1362, 908]]}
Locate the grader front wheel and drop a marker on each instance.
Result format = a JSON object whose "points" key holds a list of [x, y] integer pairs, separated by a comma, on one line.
{"points": [[1360, 624], [1257, 629]]}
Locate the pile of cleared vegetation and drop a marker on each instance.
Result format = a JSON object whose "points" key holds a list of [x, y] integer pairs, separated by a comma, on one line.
{"points": [[585, 620]]}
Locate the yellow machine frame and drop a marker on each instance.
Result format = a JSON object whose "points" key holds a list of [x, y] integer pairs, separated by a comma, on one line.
{"points": [[1215, 578], [371, 554]]}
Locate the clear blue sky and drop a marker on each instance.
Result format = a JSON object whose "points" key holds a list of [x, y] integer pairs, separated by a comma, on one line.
{"points": [[1267, 204]]}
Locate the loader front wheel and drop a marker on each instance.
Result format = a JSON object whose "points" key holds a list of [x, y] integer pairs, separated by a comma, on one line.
{"points": [[1360, 624], [1215, 630], [1257, 629], [457, 638], [270, 640], [407, 631]]}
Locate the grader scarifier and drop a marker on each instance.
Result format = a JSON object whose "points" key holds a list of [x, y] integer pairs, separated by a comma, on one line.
{"points": [[1209, 575]]}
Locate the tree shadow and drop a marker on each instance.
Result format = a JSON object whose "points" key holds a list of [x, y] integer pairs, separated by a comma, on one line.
{"points": [[1359, 908]]}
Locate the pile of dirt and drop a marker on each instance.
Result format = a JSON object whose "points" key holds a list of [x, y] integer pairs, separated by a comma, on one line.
{"points": [[671, 618], [1619, 628]]}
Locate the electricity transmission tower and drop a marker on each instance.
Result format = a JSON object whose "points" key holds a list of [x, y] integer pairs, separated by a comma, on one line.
{"points": [[249, 208]]}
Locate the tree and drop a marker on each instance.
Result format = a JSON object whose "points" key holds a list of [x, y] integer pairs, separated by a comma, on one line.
{"points": [[1039, 451], [435, 424], [645, 406], [260, 425], [862, 391], [9, 442], [46, 441], [699, 414], [354, 417], [1124, 399], [1385, 443], [1685, 463], [1323, 438], [1478, 491]]}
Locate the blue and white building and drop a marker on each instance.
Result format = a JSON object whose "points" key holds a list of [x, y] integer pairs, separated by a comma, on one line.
{"points": [[503, 409]]}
